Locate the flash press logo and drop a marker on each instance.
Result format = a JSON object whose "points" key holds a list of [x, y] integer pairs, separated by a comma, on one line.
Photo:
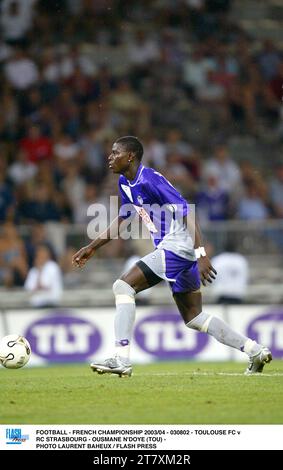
{"points": [[15, 436]]}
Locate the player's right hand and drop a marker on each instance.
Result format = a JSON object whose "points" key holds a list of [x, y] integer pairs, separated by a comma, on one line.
{"points": [[207, 271], [82, 256]]}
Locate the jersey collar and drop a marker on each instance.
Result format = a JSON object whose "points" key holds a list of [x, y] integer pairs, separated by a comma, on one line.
{"points": [[137, 177]]}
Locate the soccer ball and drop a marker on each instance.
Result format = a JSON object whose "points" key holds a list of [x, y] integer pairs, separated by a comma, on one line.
{"points": [[14, 351]]}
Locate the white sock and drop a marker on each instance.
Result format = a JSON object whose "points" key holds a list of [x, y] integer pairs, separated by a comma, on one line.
{"points": [[224, 333], [123, 351], [251, 348]]}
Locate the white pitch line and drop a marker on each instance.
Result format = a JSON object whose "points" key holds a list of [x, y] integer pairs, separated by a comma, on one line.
{"points": [[209, 374], [275, 374]]}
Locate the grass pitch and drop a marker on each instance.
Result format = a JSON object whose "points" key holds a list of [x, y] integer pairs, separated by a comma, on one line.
{"points": [[161, 393]]}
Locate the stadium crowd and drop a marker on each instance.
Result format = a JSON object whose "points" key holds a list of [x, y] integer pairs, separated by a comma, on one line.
{"points": [[76, 74]]}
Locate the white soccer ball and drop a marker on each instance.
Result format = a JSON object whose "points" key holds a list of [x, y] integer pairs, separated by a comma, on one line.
{"points": [[14, 351]]}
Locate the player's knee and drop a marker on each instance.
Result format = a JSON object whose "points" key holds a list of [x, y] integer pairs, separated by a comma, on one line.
{"points": [[124, 293], [200, 322], [190, 313]]}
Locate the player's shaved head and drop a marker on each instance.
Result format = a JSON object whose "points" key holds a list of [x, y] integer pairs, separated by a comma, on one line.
{"points": [[131, 144]]}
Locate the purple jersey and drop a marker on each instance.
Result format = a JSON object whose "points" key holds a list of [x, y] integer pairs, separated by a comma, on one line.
{"points": [[161, 207]]}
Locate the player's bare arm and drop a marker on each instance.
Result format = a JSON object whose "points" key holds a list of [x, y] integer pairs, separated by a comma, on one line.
{"points": [[86, 252]]}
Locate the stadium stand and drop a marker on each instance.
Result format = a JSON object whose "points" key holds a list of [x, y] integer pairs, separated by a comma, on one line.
{"points": [[199, 82]]}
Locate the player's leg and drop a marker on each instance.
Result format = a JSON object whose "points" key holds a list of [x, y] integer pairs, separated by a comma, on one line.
{"points": [[137, 279], [190, 306]]}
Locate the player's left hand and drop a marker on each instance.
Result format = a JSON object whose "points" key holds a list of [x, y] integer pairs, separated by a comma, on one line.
{"points": [[80, 258], [207, 271]]}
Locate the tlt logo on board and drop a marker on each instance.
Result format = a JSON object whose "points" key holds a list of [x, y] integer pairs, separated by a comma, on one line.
{"points": [[165, 336], [63, 338], [267, 329]]}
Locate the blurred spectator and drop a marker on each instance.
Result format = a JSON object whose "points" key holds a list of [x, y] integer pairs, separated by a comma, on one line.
{"points": [[125, 99], [75, 6], [269, 59], [142, 51], [252, 206], [10, 110], [36, 146], [230, 285], [5, 51], [171, 49], [21, 71], [31, 103], [178, 174], [222, 166], [195, 70], [38, 236], [66, 150], [81, 208], [6, 194], [40, 206], [13, 260], [276, 84], [276, 192], [175, 143], [154, 152], [44, 280], [21, 171], [71, 276], [102, 83], [212, 203], [92, 145], [212, 92], [73, 184], [16, 19]]}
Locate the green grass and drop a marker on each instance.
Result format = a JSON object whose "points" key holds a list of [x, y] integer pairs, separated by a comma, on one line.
{"points": [[161, 393]]}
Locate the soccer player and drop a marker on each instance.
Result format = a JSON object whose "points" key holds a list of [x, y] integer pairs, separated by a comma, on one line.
{"points": [[176, 259]]}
